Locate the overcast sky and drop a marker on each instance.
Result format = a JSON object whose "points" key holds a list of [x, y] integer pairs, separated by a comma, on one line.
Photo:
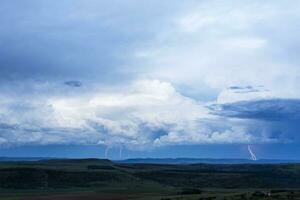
{"points": [[150, 76]]}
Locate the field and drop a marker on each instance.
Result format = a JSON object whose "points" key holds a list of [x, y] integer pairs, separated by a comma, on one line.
{"points": [[93, 179]]}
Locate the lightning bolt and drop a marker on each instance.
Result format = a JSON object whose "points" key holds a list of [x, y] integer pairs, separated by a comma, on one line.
{"points": [[120, 152], [106, 152], [253, 157]]}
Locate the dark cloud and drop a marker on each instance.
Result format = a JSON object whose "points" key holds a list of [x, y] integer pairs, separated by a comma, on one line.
{"points": [[73, 83], [56, 40], [72, 39], [5, 126], [276, 120], [240, 87], [269, 110], [245, 89]]}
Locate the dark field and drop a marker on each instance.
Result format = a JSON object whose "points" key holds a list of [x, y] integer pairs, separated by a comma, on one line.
{"points": [[102, 179]]}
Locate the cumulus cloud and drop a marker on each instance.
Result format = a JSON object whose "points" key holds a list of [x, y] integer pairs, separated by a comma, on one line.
{"points": [[144, 114], [148, 113]]}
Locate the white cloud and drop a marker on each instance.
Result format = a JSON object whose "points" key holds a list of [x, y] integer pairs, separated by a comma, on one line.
{"points": [[220, 44], [227, 95], [206, 135], [194, 22], [147, 113], [244, 43]]}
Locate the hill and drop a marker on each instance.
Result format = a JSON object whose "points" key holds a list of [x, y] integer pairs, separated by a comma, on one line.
{"points": [[204, 160], [105, 176]]}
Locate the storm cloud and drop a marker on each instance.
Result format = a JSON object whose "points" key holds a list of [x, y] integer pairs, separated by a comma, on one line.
{"points": [[145, 74], [267, 110]]}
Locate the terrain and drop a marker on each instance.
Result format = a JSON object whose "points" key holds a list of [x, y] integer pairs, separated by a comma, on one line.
{"points": [[204, 161], [104, 179]]}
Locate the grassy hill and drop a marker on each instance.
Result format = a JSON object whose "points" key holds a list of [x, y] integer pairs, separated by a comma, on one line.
{"points": [[103, 176]]}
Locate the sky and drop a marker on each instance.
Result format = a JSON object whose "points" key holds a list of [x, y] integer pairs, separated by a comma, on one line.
{"points": [[134, 78]]}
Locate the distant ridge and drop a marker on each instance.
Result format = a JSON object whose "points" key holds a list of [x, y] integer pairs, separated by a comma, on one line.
{"points": [[203, 160], [25, 158], [175, 161]]}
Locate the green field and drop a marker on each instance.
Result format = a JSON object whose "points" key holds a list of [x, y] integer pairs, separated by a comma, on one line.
{"points": [[103, 179]]}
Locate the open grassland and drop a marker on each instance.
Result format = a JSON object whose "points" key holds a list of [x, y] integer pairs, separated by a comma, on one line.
{"points": [[103, 179]]}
